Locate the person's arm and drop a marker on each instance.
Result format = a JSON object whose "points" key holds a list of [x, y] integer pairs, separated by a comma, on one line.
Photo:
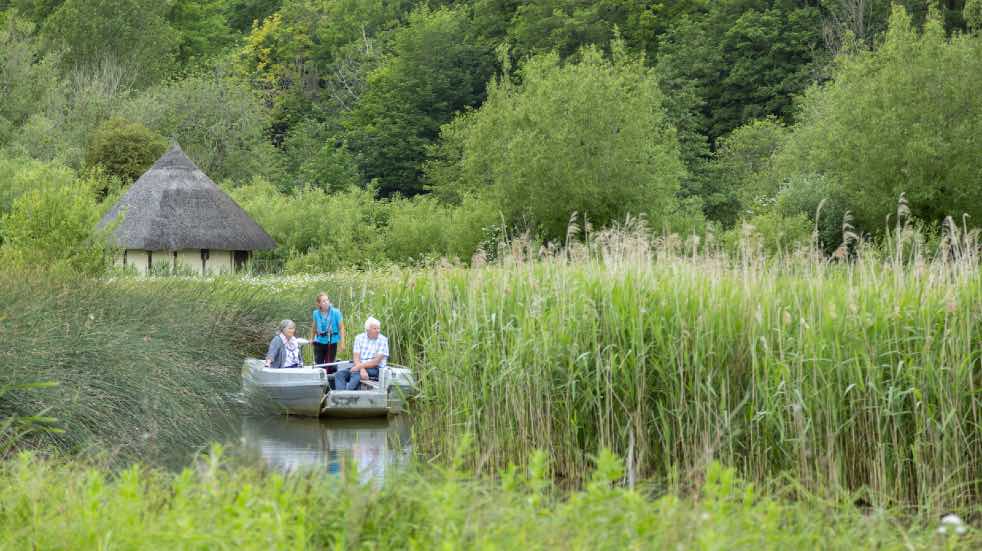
{"points": [[271, 353], [383, 353]]}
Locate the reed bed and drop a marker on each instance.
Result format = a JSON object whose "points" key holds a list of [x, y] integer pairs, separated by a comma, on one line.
{"points": [[861, 375], [141, 371], [48, 504]]}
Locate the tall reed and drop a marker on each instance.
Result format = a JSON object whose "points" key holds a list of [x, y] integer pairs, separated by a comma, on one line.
{"points": [[861, 374]]}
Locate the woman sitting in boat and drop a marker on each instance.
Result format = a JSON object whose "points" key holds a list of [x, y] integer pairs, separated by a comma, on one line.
{"points": [[370, 352], [327, 332], [284, 350]]}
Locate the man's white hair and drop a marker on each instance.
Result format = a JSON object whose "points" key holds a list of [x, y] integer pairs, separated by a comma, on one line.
{"points": [[372, 322]]}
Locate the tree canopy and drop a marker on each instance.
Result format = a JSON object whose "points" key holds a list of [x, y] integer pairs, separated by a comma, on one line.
{"points": [[506, 115], [900, 119], [588, 137]]}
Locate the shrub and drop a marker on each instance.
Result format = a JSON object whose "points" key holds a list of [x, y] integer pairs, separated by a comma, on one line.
{"points": [[54, 228], [21, 175], [340, 229], [125, 149]]}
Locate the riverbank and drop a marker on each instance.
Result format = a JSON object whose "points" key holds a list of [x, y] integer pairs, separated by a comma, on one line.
{"points": [[47, 504]]}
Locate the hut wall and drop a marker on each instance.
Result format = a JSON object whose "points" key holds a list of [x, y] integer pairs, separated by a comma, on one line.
{"points": [[162, 261], [134, 259], [218, 261], [189, 259]]}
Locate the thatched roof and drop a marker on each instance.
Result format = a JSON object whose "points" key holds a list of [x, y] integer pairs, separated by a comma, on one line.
{"points": [[176, 206]]}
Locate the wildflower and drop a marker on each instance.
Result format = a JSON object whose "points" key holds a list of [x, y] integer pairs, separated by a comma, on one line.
{"points": [[952, 524]]}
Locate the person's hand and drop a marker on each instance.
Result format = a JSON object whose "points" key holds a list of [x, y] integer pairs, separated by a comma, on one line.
{"points": [[268, 362]]}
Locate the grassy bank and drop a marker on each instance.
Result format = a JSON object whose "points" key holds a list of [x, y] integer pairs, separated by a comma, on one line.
{"points": [[861, 376], [67, 505]]}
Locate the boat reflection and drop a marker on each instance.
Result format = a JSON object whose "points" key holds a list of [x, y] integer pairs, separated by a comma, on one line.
{"points": [[289, 443]]}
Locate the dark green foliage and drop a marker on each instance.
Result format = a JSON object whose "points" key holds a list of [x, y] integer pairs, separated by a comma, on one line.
{"points": [[203, 29], [334, 93], [973, 15], [28, 80], [431, 73], [744, 63], [125, 149], [243, 14], [133, 33], [564, 26]]}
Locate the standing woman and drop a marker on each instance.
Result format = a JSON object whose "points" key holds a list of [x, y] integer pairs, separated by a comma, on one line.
{"points": [[327, 332]]}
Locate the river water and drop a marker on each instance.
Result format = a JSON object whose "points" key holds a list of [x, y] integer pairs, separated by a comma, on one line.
{"points": [[374, 446]]}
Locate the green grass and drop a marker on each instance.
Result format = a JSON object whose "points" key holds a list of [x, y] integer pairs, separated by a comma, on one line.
{"points": [[861, 377], [47, 504]]}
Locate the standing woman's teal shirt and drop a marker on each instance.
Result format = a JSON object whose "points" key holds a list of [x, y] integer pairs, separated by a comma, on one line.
{"points": [[331, 320]]}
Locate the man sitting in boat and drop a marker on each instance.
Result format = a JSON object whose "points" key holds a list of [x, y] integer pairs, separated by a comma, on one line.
{"points": [[369, 354], [284, 350]]}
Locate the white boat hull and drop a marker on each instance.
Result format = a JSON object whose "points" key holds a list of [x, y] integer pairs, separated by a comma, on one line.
{"points": [[304, 391]]}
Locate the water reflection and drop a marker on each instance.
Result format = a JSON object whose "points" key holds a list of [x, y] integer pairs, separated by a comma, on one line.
{"points": [[374, 446]]}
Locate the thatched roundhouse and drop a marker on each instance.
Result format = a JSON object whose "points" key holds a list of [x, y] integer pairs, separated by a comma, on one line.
{"points": [[175, 217]]}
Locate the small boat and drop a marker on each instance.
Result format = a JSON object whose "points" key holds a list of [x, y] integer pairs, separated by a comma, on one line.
{"points": [[306, 390]]}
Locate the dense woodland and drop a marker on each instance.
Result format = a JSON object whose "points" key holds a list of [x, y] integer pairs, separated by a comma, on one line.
{"points": [[370, 131]]}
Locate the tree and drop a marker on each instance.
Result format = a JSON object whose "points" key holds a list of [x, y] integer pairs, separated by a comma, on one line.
{"points": [[243, 14], [742, 156], [540, 26], [587, 137], [899, 119], [431, 73], [973, 15], [203, 30], [745, 60], [28, 81], [134, 33], [218, 121], [310, 54], [124, 149]]}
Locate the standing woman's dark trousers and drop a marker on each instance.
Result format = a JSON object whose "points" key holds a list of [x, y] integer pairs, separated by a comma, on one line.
{"points": [[326, 354]]}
